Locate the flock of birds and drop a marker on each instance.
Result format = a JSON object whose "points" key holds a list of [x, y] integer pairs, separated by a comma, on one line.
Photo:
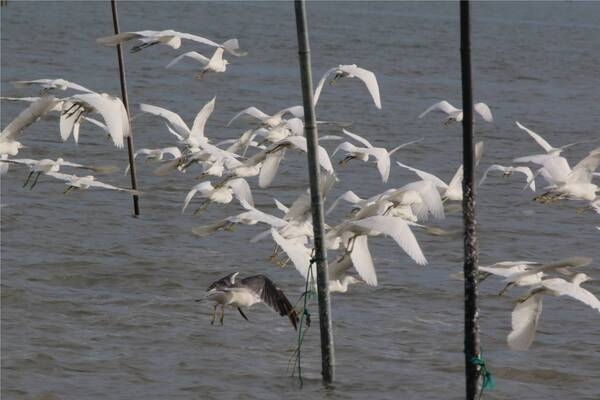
{"points": [[226, 166]]}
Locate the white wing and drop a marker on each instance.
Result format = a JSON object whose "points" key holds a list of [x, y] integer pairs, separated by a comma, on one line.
{"points": [[443, 106], [320, 85], [583, 171], [545, 145], [191, 54], [103, 185], [430, 195], [113, 112], [201, 118], [322, 155], [357, 138], [253, 112], [395, 149], [348, 196], [296, 251], [565, 288], [369, 80], [483, 110], [383, 161], [203, 188], [241, 190], [27, 117], [269, 168], [361, 258], [426, 176], [524, 320], [172, 118], [399, 230], [54, 84]]}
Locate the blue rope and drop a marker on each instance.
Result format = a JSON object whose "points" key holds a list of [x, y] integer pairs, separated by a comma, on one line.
{"points": [[488, 379]]}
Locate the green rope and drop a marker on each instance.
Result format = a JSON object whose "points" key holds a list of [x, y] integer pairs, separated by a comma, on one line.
{"points": [[305, 317], [488, 379]]}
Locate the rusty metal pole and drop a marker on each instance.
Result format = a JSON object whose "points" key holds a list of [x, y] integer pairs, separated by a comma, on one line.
{"points": [[320, 258], [472, 348], [136, 199]]}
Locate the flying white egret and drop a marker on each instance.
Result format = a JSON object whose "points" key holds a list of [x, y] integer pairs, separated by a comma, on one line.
{"points": [[49, 84], [351, 71], [456, 114], [8, 138], [526, 314], [544, 144], [363, 153], [44, 166], [507, 171], [193, 137], [526, 275], [86, 182], [453, 190], [214, 64], [109, 107], [168, 37], [270, 121], [222, 193], [247, 292]]}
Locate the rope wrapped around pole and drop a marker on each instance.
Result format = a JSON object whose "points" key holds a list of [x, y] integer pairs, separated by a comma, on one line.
{"points": [[320, 256]]}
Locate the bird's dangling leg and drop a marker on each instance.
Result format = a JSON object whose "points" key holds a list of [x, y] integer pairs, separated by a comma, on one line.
{"points": [[222, 314], [243, 315], [200, 75], [214, 314], [274, 253], [69, 189], [283, 263], [200, 210], [28, 178], [449, 121], [139, 47], [505, 288], [37, 176], [345, 160]]}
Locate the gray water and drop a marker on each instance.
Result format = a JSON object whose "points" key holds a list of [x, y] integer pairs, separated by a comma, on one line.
{"points": [[97, 304]]}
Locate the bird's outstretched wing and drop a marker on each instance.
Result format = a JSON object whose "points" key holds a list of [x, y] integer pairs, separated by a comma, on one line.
{"points": [[190, 54], [27, 117], [540, 140], [443, 106], [524, 320], [272, 295]]}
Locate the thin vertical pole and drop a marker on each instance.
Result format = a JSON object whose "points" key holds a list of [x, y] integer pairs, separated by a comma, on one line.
{"points": [[320, 258], [472, 370], [136, 199]]}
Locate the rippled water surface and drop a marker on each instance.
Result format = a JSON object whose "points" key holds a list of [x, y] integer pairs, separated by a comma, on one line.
{"points": [[97, 304]]}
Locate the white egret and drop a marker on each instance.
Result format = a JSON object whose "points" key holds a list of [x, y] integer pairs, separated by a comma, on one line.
{"points": [[544, 144], [456, 114], [44, 166], [193, 137], [247, 292], [214, 64], [109, 107], [526, 314], [49, 84], [168, 37], [270, 121], [86, 182], [363, 153], [222, 193], [507, 171], [351, 71]]}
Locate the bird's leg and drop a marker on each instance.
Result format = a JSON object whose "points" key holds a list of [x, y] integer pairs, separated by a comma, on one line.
{"points": [[581, 210], [351, 243], [386, 212], [508, 286], [230, 227], [283, 263], [274, 253], [214, 314], [139, 47], [28, 178], [37, 176], [243, 315], [335, 78], [202, 208], [200, 75], [345, 160], [449, 121], [222, 314], [69, 189], [548, 197]]}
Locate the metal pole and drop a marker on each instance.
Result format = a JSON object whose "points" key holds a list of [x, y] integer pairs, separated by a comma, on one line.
{"points": [[320, 258], [472, 370], [136, 199]]}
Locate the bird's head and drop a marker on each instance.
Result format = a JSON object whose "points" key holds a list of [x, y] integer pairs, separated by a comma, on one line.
{"points": [[580, 278]]}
